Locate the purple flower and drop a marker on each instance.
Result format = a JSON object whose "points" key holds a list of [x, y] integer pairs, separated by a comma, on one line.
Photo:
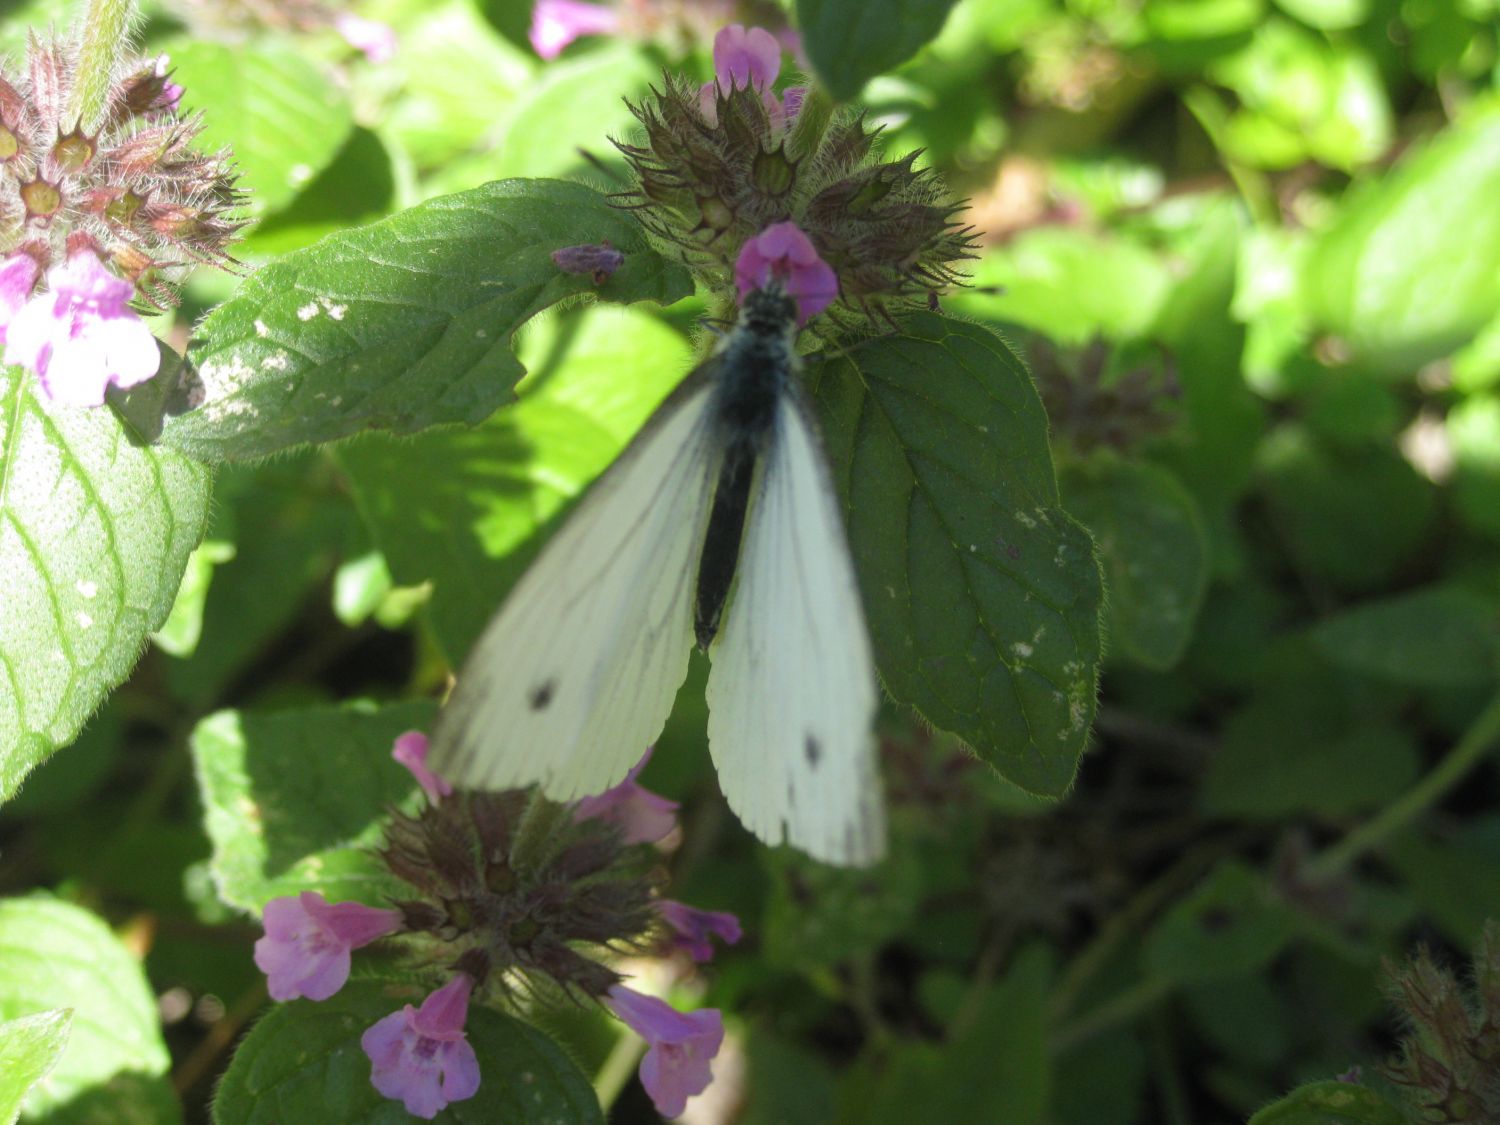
{"points": [[643, 817], [694, 926], [599, 259], [556, 23], [420, 1055], [411, 751], [747, 59], [371, 37], [782, 254], [80, 334], [306, 948], [18, 274], [681, 1046]]}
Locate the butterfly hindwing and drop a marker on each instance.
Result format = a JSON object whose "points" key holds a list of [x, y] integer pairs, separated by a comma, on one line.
{"points": [[792, 691], [576, 673]]}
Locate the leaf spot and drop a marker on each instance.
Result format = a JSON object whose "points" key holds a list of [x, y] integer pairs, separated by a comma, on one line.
{"points": [[86, 588], [308, 311]]}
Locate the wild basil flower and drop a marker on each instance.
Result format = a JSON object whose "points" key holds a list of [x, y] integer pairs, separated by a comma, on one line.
{"points": [[720, 166], [18, 274], [782, 254], [643, 817], [556, 23], [692, 927], [681, 1046], [373, 39], [305, 951], [410, 750], [420, 1055], [80, 335]]}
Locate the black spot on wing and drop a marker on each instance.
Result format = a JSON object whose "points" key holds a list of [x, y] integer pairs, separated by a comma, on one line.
{"points": [[541, 695], [812, 750]]}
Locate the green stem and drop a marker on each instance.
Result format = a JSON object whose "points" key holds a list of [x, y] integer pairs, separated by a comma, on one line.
{"points": [[537, 835], [812, 122], [1467, 753], [1122, 1008], [104, 37], [618, 1067]]}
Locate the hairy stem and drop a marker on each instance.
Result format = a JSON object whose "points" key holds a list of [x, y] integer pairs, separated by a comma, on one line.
{"points": [[104, 37]]}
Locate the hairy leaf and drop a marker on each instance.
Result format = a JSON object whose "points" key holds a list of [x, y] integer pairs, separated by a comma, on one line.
{"points": [[1330, 1103], [29, 1048]]}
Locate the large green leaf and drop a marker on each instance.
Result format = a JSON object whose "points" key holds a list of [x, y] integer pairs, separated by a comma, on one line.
{"points": [[1229, 926], [403, 324], [1437, 636], [463, 508], [851, 41], [94, 536], [1330, 1103], [1406, 273], [57, 955], [302, 1065], [29, 1048], [983, 595], [1155, 553], [295, 800], [284, 119]]}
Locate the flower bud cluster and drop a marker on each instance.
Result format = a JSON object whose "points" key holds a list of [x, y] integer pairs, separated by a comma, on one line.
{"points": [[718, 165]]}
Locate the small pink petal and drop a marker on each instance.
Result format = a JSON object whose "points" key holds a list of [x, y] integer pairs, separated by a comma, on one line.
{"points": [[375, 40], [556, 23], [682, 1045], [410, 750]]}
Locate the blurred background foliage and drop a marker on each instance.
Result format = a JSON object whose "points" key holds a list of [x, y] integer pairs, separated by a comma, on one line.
{"points": [[1251, 250]]}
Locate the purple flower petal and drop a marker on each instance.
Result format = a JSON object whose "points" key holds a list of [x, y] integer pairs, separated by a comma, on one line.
{"points": [[681, 1046], [305, 950], [643, 817], [745, 58], [18, 274], [420, 1055], [375, 40], [556, 23], [598, 259], [693, 926], [410, 750], [782, 254]]}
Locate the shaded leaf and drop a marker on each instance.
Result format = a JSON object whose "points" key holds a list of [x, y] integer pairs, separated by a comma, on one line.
{"points": [[302, 1065], [294, 800], [403, 324], [94, 537], [1438, 636], [851, 41], [1330, 1103], [983, 595], [1229, 925]]}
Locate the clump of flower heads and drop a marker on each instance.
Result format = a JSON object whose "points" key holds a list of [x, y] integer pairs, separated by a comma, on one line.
{"points": [[719, 165], [512, 895], [104, 197]]}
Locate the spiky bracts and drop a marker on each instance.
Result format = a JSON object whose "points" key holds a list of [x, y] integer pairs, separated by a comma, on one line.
{"points": [[131, 187]]}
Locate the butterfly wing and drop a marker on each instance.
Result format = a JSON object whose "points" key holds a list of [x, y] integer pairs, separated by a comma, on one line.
{"points": [[576, 673], [792, 691]]}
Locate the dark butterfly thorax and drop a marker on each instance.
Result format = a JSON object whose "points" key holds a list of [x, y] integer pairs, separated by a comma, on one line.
{"points": [[752, 373]]}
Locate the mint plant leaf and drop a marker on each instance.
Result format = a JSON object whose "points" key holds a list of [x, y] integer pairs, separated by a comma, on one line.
{"points": [[1434, 637], [95, 533], [403, 324], [29, 1048], [983, 596], [294, 800], [1330, 1103], [57, 955], [851, 41], [302, 1065]]}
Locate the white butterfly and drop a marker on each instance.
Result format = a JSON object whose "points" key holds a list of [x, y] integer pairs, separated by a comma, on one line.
{"points": [[576, 673]]}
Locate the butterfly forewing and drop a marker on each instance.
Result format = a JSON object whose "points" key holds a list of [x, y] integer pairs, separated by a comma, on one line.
{"points": [[576, 673], [792, 692]]}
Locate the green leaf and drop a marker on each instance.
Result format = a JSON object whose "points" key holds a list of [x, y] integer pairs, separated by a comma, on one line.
{"points": [[29, 1049], [57, 955], [1327, 15], [184, 625], [1202, 19], [94, 537], [283, 117], [464, 509], [1406, 273], [1433, 637], [403, 324], [983, 595], [1154, 549], [294, 800], [1228, 926], [851, 41], [1330, 1103], [820, 915], [1455, 879], [302, 1065]]}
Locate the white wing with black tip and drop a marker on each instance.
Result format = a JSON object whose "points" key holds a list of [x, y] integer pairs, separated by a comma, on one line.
{"points": [[575, 675], [792, 692]]}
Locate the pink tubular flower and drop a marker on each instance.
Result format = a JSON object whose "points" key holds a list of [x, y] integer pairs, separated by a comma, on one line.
{"points": [[681, 1046], [18, 274], [420, 1055], [375, 40], [81, 335], [306, 948], [411, 751], [783, 254], [643, 817], [694, 926], [556, 23], [748, 59]]}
